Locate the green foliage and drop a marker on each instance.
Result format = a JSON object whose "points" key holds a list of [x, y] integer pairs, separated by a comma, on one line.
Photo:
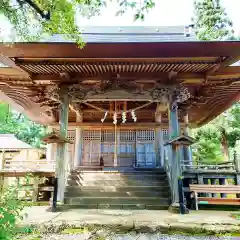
{"points": [[10, 213], [211, 21], [210, 145], [31, 19], [22, 127]]}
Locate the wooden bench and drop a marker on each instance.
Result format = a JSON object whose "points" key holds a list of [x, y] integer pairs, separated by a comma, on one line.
{"points": [[228, 189]]}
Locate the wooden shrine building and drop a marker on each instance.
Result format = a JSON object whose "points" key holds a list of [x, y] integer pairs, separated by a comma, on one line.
{"points": [[119, 100]]}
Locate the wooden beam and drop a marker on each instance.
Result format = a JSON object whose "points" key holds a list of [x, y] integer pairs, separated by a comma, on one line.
{"points": [[225, 63], [225, 73], [11, 64]]}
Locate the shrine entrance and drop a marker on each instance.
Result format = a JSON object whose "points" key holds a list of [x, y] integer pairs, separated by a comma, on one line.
{"points": [[119, 148]]}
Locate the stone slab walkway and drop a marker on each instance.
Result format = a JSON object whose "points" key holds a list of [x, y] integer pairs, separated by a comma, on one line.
{"points": [[131, 220]]}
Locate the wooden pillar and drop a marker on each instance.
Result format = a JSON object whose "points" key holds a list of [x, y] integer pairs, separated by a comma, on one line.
{"points": [[175, 163], [49, 153], [62, 148], [159, 140], [187, 151], [78, 141]]}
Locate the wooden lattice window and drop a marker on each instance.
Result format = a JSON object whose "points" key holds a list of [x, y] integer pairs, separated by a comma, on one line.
{"points": [[108, 136], [165, 132], [70, 135], [91, 135], [146, 135], [127, 135]]}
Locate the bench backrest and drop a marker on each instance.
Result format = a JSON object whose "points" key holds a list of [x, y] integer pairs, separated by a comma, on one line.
{"points": [[214, 188]]}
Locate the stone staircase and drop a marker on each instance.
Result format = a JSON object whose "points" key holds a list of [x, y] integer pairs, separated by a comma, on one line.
{"points": [[120, 190]]}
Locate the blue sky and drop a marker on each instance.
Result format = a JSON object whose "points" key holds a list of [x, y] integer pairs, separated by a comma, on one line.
{"points": [[166, 13]]}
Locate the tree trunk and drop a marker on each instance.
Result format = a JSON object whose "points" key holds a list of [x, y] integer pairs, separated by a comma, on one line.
{"points": [[224, 144]]}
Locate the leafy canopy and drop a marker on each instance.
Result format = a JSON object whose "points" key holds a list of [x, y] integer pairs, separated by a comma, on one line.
{"points": [[22, 127], [211, 20], [31, 19]]}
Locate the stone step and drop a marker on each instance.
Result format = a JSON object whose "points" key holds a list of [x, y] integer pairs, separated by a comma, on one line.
{"points": [[127, 173], [140, 188], [116, 177], [117, 194], [116, 200], [116, 183], [119, 206], [122, 169]]}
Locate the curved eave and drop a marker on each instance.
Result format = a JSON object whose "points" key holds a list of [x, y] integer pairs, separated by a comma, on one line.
{"points": [[220, 110]]}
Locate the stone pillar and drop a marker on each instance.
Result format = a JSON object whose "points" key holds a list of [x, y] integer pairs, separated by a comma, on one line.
{"points": [[175, 166], [62, 148], [159, 140], [78, 141]]}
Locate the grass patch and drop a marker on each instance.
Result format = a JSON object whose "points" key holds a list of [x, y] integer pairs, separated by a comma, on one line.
{"points": [[75, 230], [235, 215]]}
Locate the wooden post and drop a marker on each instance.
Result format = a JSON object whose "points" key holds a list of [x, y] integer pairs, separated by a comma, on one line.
{"points": [[62, 148], [187, 151], [159, 140], [175, 164], [78, 141], [49, 153]]}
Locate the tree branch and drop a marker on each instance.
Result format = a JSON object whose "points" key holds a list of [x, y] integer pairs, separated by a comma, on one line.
{"points": [[36, 8]]}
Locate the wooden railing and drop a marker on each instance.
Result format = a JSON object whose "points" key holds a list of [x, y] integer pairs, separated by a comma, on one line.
{"points": [[28, 165], [186, 165]]}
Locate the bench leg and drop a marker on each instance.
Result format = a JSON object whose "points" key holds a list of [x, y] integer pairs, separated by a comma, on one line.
{"points": [[196, 200]]}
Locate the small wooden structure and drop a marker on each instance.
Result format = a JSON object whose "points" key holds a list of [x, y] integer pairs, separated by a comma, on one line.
{"points": [[18, 155], [121, 97]]}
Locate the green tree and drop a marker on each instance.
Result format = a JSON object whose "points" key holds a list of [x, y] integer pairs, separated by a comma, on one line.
{"points": [[33, 18], [216, 138], [22, 127], [211, 21]]}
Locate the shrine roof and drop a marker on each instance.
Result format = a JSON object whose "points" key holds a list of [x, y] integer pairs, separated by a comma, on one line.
{"points": [[124, 34], [10, 142], [135, 55]]}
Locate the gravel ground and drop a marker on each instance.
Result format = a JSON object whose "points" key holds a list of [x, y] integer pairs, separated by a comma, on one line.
{"points": [[130, 237]]}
